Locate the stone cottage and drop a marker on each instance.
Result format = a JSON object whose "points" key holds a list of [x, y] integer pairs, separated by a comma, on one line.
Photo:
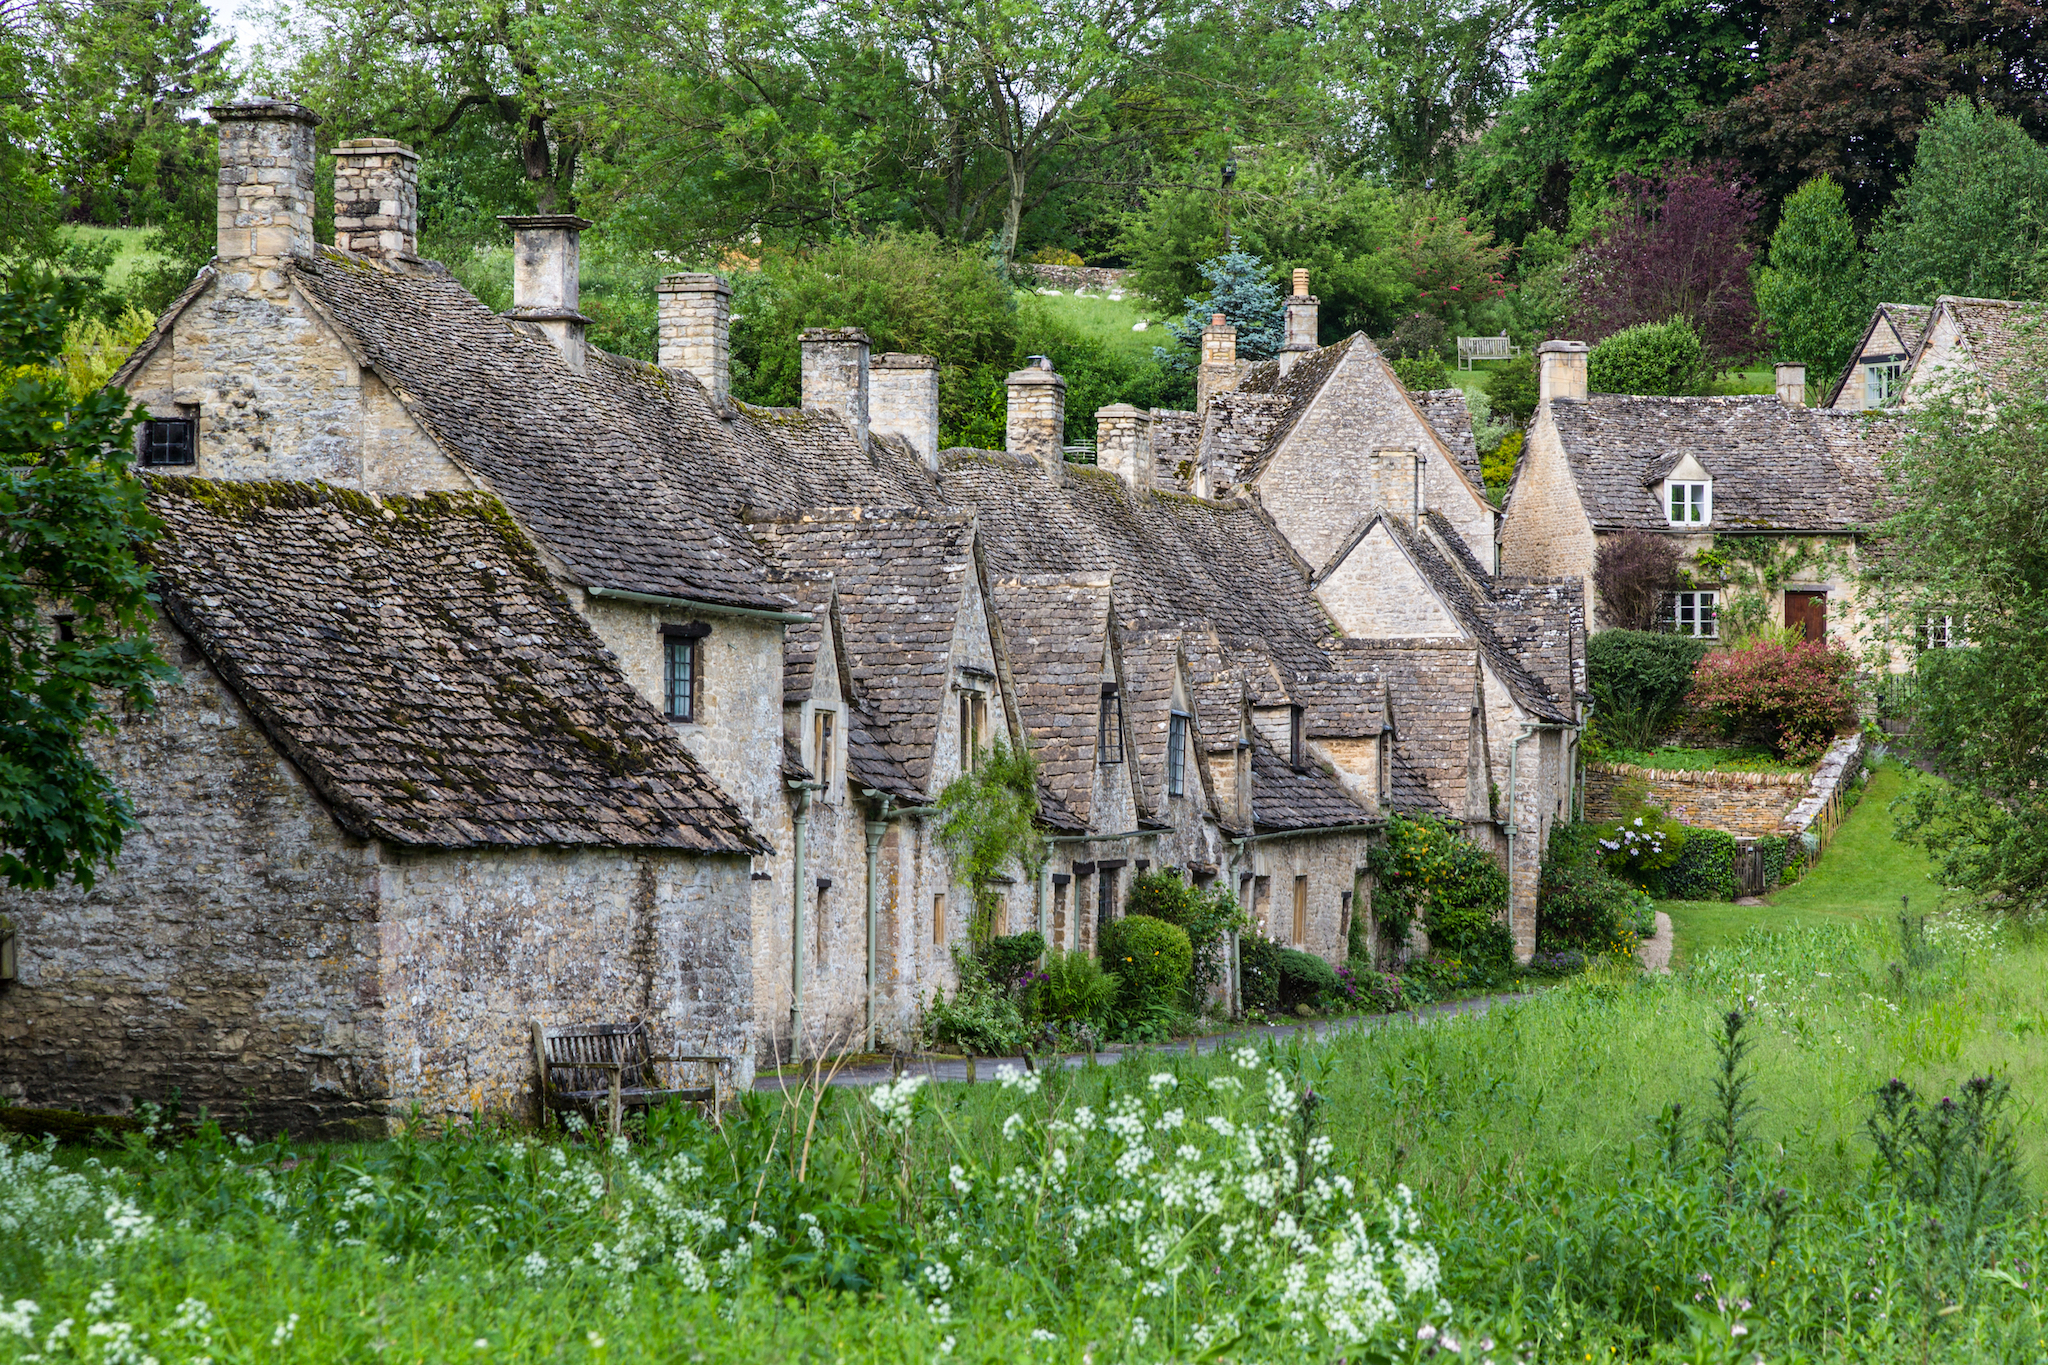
{"points": [[1767, 498]]}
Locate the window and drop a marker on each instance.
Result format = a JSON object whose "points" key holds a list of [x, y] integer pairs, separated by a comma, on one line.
{"points": [[1177, 755], [167, 441], [1695, 613], [1881, 384], [1300, 911], [1692, 504], [1262, 903], [1297, 751], [973, 729], [1105, 900], [823, 743], [1940, 632], [1386, 767], [1060, 882], [682, 659], [1109, 729], [823, 928], [938, 919]]}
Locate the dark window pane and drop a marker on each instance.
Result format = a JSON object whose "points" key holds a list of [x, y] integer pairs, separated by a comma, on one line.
{"points": [[680, 677], [167, 441]]}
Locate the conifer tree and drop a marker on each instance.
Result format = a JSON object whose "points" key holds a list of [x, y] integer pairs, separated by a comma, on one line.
{"points": [[1972, 217], [1812, 293]]}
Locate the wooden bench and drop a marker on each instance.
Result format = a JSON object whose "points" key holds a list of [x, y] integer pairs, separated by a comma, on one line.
{"points": [[607, 1067], [1485, 348]]}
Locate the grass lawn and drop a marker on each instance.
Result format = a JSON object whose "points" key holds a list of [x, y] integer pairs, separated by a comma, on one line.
{"points": [[1106, 321], [1861, 876], [1759, 379], [1707, 760], [129, 252]]}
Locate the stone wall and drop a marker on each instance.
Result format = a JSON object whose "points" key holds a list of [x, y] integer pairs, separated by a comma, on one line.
{"points": [[1746, 804], [1075, 276], [1545, 532], [1377, 594]]}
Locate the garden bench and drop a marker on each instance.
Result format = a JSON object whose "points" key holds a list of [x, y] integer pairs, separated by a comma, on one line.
{"points": [[1485, 348], [585, 1066]]}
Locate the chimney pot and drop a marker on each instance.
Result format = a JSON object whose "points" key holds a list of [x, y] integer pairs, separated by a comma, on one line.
{"points": [[903, 398], [1561, 371], [835, 375], [1792, 385], [1299, 317], [547, 262], [694, 330], [1037, 420], [1123, 444], [264, 197], [1300, 283], [377, 198]]}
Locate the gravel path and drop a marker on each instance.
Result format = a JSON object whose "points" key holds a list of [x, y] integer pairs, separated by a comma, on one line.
{"points": [[1655, 951], [941, 1068]]}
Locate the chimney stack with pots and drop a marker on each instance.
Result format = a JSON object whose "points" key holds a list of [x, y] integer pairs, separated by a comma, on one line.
{"points": [[265, 194], [903, 398], [1123, 444], [693, 330], [835, 361], [1792, 385], [1561, 371], [377, 198], [1038, 415], [547, 263], [1218, 371], [1300, 315]]}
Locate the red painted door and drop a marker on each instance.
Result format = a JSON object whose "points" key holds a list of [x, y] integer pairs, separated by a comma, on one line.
{"points": [[1807, 612]]}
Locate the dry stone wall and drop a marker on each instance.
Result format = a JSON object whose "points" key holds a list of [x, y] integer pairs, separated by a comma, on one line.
{"points": [[1745, 804]]}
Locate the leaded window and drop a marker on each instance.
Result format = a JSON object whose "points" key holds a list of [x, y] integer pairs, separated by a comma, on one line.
{"points": [[1176, 755], [167, 441]]}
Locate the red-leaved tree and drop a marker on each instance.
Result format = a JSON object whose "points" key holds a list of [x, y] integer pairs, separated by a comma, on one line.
{"points": [[1795, 698], [1678, 246], [1631, 574]]}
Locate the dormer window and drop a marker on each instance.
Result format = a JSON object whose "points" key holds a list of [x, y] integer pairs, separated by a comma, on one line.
{"points": [[1109, 727], [1297, 746], [1690, 504], [973, 729], [824, 738], [1881, 384]]}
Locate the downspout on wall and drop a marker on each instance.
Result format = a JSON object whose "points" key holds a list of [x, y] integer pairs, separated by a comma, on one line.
{"points": [[801, 821], [877, 830]]}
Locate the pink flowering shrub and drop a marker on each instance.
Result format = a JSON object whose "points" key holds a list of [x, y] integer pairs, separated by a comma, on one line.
{"points": [[1791, 697]]}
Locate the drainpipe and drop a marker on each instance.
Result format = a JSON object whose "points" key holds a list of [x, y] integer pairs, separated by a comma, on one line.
{"points": [[1514, 791], [803, 792], [877, 828], [1045, 893]]}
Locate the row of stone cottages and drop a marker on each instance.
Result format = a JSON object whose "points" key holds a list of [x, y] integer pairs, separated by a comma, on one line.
{"points": [[515, 680]]}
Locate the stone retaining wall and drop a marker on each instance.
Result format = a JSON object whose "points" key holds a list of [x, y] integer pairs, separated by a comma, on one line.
{"points": [[1745, 804], [1073, 276]]}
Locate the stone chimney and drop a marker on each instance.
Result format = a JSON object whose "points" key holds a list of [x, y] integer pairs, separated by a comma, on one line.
{"points": [[1792, 385], [694, 330], [1218, 371], [1038, 415], [836, 375], [547, 262], [903, 399], [1300, 317], [1561, 371], [377, 198], [1123, 444], [265, 193]]}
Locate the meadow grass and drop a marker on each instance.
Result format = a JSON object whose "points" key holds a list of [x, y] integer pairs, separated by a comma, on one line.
{"points": [[1863, 874], [1107, 322], [130, 251]]}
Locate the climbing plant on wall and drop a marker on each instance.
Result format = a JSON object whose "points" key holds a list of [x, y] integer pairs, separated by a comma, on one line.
{"points": [[1749, 569]]}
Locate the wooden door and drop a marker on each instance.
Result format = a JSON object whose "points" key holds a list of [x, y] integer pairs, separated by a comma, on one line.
{"points": [[1807, 612]]}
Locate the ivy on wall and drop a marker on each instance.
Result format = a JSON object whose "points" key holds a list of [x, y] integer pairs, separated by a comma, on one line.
{"points": [[1749, 569]]}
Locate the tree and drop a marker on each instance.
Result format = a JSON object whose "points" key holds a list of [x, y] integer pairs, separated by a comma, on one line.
{"points": [[1812, 295], [73, 614], [1649, 358], [1964, 547], [1848, 84], [1971, 218], [1631, 574], [1677, 247], [1452, 267], [988, 824], [1241, 289]]}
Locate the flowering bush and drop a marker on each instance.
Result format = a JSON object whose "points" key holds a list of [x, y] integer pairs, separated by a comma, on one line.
{"points": [[1642, 844], [982, 1018], [1365, 987], [1795, 698], [1423, 864], [1580, 905], [1152, 957]]}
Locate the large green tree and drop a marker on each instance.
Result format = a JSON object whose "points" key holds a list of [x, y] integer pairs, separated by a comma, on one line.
{"points": [[1971, 217], [1812, 294], [1964, 557], [73, 614]]}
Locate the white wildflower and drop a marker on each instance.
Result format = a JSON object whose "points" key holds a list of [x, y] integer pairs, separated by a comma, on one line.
{"points": [[1163, 1080], [535, 1265], [1040, 1334], [1012, 1126], [282, 1333], [20, 1319], [100, 1302], [895, 1099], [1140, 1333], [957, 1178], [946, 1345]]}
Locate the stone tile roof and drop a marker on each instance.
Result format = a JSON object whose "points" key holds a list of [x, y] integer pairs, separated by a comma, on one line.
{"points": [[870, 766], [1775, 467], [1287, 798], [900, 577], [1998, 332], [1345, 701], [803, 641], [1292, 394], [1055, 630], [1432, 686], [1236, 432], [411, 656], [1448, 412], [1176, 445], [1149, 661]]}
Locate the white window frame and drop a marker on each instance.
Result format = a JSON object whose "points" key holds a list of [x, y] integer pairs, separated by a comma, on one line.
{"points": [[1691, 495], [1882, 382], [1683, 610]]}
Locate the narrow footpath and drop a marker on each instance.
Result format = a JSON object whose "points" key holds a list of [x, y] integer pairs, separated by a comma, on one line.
{"points": [[945, 1068]]}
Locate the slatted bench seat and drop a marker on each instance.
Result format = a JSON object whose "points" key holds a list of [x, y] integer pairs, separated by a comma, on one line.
{"points": [[1485, 348], [603, 1069]]}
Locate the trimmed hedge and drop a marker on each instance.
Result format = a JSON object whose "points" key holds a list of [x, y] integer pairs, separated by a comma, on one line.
{"points": [[1305, 979], [1258, 972], [1705, 871], [1777, 851], [1151, 956]]}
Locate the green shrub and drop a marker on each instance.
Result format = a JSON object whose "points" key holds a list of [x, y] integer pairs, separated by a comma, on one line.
{"points": [[1794, 697], [1705, 871], [1364, 986], [1305, 979], [1639, 680], [1777, 851], [1579, 903], [1010, 959], [1498, 468], [1076, 990], [1424, 862], [1420, 373], [1640, 846], [1477, 937], [1207, 914], [1649, 358], [1512, 390], [981, 1019], [1258, 973], [1153, 959]]}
